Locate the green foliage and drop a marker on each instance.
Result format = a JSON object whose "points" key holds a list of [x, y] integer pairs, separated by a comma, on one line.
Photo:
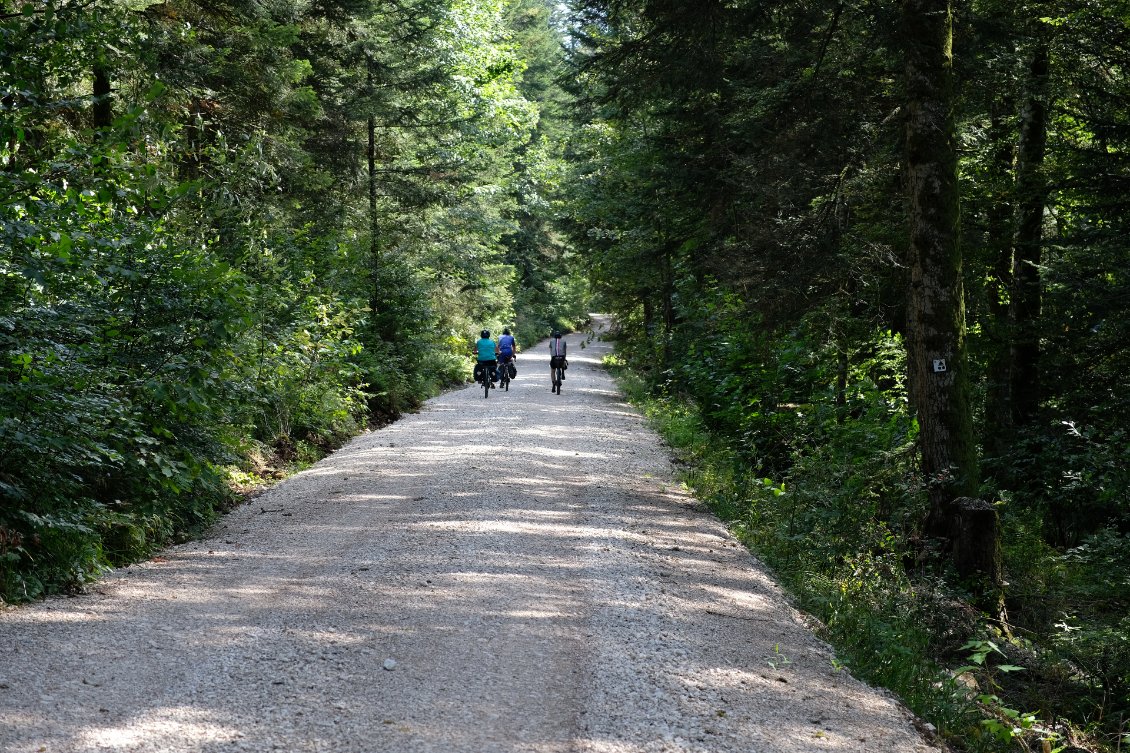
{"points": [[305, 376], [110, 325], [738, 196], [191, 274], [551, 289], [1091, 632]]}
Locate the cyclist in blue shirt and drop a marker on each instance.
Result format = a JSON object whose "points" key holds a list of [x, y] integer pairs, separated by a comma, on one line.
{"points": [[507, 348], [487, 352]]}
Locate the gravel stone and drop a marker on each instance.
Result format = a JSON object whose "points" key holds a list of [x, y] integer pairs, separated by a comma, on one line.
{"points": [[544, 582]]}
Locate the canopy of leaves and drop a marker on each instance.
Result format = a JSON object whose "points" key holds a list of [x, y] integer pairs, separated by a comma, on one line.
{"points": [[738, 194], [192, 274]]}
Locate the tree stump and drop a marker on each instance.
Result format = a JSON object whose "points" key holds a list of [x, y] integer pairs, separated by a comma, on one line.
{"points": [[976, 539]]}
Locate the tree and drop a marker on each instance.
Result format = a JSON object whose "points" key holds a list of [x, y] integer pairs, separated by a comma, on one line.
{"points": [[936, 349], [228, 262], [1026, 294], [551, 287]]}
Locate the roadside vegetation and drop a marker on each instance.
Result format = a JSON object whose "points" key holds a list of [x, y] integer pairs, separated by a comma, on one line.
{"points": [[836, 517], [868, 262], [234, 234]]}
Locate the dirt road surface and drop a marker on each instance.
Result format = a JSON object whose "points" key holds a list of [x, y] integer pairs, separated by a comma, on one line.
{"points": [[512, 574]]}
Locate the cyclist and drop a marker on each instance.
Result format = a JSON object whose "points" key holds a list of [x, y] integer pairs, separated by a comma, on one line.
{"points": [[507, 348], [556, 357], [487, 352]]}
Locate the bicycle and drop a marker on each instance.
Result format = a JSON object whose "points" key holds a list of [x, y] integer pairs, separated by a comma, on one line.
{"points": [[558, 375], [504, 375], [486, 376]]}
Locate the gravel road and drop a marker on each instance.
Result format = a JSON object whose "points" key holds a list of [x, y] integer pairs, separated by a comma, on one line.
{"points": [[519, 573]]}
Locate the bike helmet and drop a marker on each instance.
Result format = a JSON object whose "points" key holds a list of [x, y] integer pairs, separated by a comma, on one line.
{"points": [[485, 333], [556, 333]]}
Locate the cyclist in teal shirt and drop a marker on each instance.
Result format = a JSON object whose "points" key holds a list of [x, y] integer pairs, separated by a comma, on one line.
{"points": [[487, 351]]}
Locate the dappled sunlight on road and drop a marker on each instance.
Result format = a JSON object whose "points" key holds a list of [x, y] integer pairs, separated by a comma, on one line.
{"points": [[552, 453], [444, 585], [165, 729]]}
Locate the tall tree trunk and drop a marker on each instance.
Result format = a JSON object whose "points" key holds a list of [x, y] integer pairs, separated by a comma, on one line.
{"points": [[1032, 192], [843, 364], [668, 292], [998, 410], [103, 110], [648, 317], [939, 384], [374, 225]]}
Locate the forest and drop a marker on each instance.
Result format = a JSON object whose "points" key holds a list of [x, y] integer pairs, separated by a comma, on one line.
{"points": [[867, 263]]}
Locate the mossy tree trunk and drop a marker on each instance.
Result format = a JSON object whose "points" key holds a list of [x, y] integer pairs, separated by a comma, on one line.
{"points": [[939, 382], [374, 224], [1026, 298], [997, 432], [102, 112]]}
